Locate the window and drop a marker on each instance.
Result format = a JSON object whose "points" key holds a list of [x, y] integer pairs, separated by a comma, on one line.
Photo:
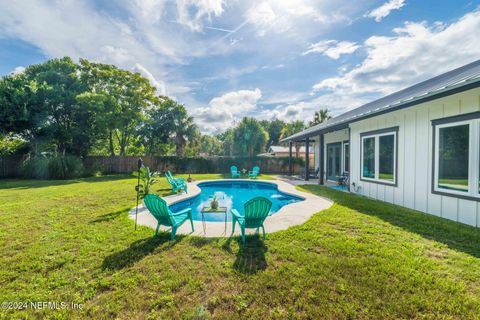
{"points": [[379, 156], [453, 157], [346, 157], [457, 156]]}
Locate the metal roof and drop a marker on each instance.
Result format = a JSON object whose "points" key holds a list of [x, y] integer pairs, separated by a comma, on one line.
{"points": [[457, 80]]}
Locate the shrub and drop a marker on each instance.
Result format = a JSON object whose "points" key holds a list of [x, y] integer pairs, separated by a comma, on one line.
{"points": [[65, 167], [35, 168], [59, 167]]}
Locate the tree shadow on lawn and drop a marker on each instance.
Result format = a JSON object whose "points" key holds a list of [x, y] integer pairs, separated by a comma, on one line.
{"points": [[22, 184], [138, 250], [455, 235], [38, 183]]}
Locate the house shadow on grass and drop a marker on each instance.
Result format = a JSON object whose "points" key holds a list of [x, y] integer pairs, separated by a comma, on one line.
{"points": [[455, 235], [138, 250], [250, 257]]}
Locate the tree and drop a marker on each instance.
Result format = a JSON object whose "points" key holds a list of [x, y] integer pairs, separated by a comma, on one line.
{"points": [[130, 96], [320, 117], [211, 146], [182, 127], [17, 113], [250, 137], [227, 140], [292, 128], [274, 129], [42, 107], [156, 130]]}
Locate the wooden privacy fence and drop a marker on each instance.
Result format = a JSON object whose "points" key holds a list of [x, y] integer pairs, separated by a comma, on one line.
{"points": [[118, 164], [10, 167]]}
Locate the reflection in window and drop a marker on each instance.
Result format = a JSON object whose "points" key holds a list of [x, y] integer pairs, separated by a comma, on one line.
{"points": [[453, 154], [346, 157], [387, 161], [369, 157]]}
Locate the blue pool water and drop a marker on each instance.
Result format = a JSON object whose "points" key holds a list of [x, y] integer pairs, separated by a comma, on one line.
{"points": [[233, 194]]}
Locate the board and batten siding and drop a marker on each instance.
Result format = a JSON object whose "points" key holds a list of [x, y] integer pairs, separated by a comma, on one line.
{"points": [[415, 158]]}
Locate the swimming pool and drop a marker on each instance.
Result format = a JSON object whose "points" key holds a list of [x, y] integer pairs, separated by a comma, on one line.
{"points": [[233, 194]]}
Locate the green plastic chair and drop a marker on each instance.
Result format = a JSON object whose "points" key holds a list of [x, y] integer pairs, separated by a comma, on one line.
{"points": [[178, 180], [256, 211], [177, 184], [159, 209], [254, 173], [234, 171]]}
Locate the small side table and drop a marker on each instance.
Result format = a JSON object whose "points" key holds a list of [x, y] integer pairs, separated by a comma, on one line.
{"points": [[209, 210]]}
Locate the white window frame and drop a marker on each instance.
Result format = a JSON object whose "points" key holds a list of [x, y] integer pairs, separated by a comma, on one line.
{"points": [[376, 136], [343, 156], [473, 159]]}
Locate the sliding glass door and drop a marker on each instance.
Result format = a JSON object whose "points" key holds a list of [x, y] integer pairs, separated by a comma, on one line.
{"points": [[334, 161]]}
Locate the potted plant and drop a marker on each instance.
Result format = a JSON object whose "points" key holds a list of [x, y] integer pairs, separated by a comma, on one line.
{"points": [[214, 204]]}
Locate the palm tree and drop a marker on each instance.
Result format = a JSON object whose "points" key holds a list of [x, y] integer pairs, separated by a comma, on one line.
{"points": [[292, 128], [250, 137], [186, 131], [320, 117], [181, 127]]}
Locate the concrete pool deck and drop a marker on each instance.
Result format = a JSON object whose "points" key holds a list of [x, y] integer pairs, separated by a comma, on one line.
{"points": [[288, 216]]}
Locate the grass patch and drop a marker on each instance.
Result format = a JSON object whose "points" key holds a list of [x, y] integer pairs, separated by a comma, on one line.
{"points": [[72, 241]]}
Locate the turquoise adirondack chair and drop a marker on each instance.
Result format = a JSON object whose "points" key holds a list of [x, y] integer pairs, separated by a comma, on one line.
{"points": [[254, 173], [256, 211], [177, 184], [159, 209], [234, 171], [178, 180]]}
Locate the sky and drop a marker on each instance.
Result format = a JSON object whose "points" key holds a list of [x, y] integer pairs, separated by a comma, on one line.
{"points": [[266, 59]]}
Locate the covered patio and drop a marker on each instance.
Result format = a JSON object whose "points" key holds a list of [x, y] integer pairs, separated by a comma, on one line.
{"points": [[331, 161]]}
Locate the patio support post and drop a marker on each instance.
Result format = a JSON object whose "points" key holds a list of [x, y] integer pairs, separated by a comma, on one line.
{"points": [[321, 151], [307, 159], [290, 171]]}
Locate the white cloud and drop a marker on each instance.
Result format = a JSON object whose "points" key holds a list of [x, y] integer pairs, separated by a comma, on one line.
{"points": [[18, 70], [384, 10], [332, 48], [304, 110], [222, 111], [281, 17], [192, 12], [415, 53]]}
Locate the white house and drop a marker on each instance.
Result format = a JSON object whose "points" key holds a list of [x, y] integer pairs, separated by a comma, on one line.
{"points": [[418, 147]]}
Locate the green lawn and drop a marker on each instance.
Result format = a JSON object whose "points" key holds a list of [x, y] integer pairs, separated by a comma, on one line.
{"points": [[72, 241]]}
